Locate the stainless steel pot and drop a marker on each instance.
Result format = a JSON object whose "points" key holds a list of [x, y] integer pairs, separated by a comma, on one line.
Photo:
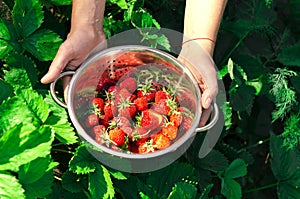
{"points": [[82, 91]]}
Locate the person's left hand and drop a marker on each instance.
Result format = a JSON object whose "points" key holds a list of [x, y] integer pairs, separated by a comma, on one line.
{"points": [[200, 63]]}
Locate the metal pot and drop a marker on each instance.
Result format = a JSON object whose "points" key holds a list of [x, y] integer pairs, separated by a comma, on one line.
{"points": [[82, 91]]}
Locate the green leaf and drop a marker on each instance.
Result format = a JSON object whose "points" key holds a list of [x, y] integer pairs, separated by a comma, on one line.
{"points": [[118, 175], [205, 192], [183, 190], [5, 39], [289, 56], [61, 2], [10, 188], [214, 161], [242, 97], [237, 168], [285, 167], [121, 3], [20, 146], [291, 132], [227, 111], [17, 78], [231, 189], [100, 185], [37, 177], [142, 19], [58, 121], [73, 182], [15, 61], [6, 90], [83, 162], [27, 16], [43, 44]]}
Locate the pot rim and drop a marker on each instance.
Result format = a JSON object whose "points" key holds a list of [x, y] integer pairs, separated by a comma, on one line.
{"points": [[81, 131]]}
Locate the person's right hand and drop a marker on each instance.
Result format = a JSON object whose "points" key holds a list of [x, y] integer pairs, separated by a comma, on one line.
{"points": [[73, 51]]}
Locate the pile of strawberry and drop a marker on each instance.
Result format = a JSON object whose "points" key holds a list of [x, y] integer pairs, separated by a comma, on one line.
{"points": [[134, 113]]}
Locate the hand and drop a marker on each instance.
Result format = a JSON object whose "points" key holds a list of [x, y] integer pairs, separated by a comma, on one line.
{"points": [[73, 51], [201, 65]]}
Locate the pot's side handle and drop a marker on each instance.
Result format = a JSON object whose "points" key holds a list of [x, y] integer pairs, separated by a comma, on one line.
{"points": [[52, 88], [213, 121]]}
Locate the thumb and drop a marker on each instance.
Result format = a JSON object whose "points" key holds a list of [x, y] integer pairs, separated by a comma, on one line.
{"points": [[58, 64]]}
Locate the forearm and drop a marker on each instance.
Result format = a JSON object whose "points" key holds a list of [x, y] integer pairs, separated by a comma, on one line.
{"points": [[88, 14], [202, 20]]}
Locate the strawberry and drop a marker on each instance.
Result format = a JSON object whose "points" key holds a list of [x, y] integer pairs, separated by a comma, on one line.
{"points": [[103, 84], [186, 98], [98, 103], [146, 147], [113, 89], [98, 132], [120, 122], [126, 109], [186, 123], [129, 83], [139, 134], [117, 136], [146, 90], [92, 120], [122, 95], [110, 109], [176, 118], [151, 120], [161, 107], [170, 130], [161, 95], [141, 103], [160, 141], [105, 120]]}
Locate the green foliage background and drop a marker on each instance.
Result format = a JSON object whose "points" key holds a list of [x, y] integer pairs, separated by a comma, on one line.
{"points": [[257, 54]]}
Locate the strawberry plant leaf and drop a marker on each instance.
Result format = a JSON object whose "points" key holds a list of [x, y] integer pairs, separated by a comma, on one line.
{"points": [[22, 146], [17, 78], [214, 161], [285, 167], [83, 162], [242, 97], [142, 19], [43, 44], [73, 182], [61, 2], [25, 12], [118, 175], [16, 60], [121, 3], [6, 90], [10, 187], [183, 190], [231, 189], [205, 191], [59, 123], [6, 37], [289, 55], [237, 168], [100, 184], [36, 177]]}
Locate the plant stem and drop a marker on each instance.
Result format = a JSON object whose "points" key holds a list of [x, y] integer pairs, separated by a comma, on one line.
{"points": [[64, 151], [262, 188], [234, 48]]}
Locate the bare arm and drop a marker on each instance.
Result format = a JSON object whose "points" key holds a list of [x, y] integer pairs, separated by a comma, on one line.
{"points": [[202, 19]]}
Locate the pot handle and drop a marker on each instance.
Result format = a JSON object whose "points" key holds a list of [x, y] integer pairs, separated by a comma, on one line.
{"points": [[213, 121], [52, 88]]}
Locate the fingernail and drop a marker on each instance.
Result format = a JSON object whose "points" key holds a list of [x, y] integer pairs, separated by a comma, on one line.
{"points": [[44, 79]]}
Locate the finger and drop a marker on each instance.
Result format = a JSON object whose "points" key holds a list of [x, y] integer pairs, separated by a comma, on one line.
{"points": [[205, 116], [58, 64]]}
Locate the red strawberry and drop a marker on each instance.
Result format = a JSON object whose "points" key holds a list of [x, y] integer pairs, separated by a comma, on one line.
{"points": [[110, 109], [151, 120], [139, 135], [170, 130], [161, 107], [113, 89], [146, 90], [122, 95], [92, 120], [117, 136], [186, 98], [98, 132], [105, 120], [146, 147], [176, 118], [141, 103], [129, 83], [186, 123], [126, 109], [99, 103], [103, 84], [120, 122], [161, 95], [160, 141]]}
